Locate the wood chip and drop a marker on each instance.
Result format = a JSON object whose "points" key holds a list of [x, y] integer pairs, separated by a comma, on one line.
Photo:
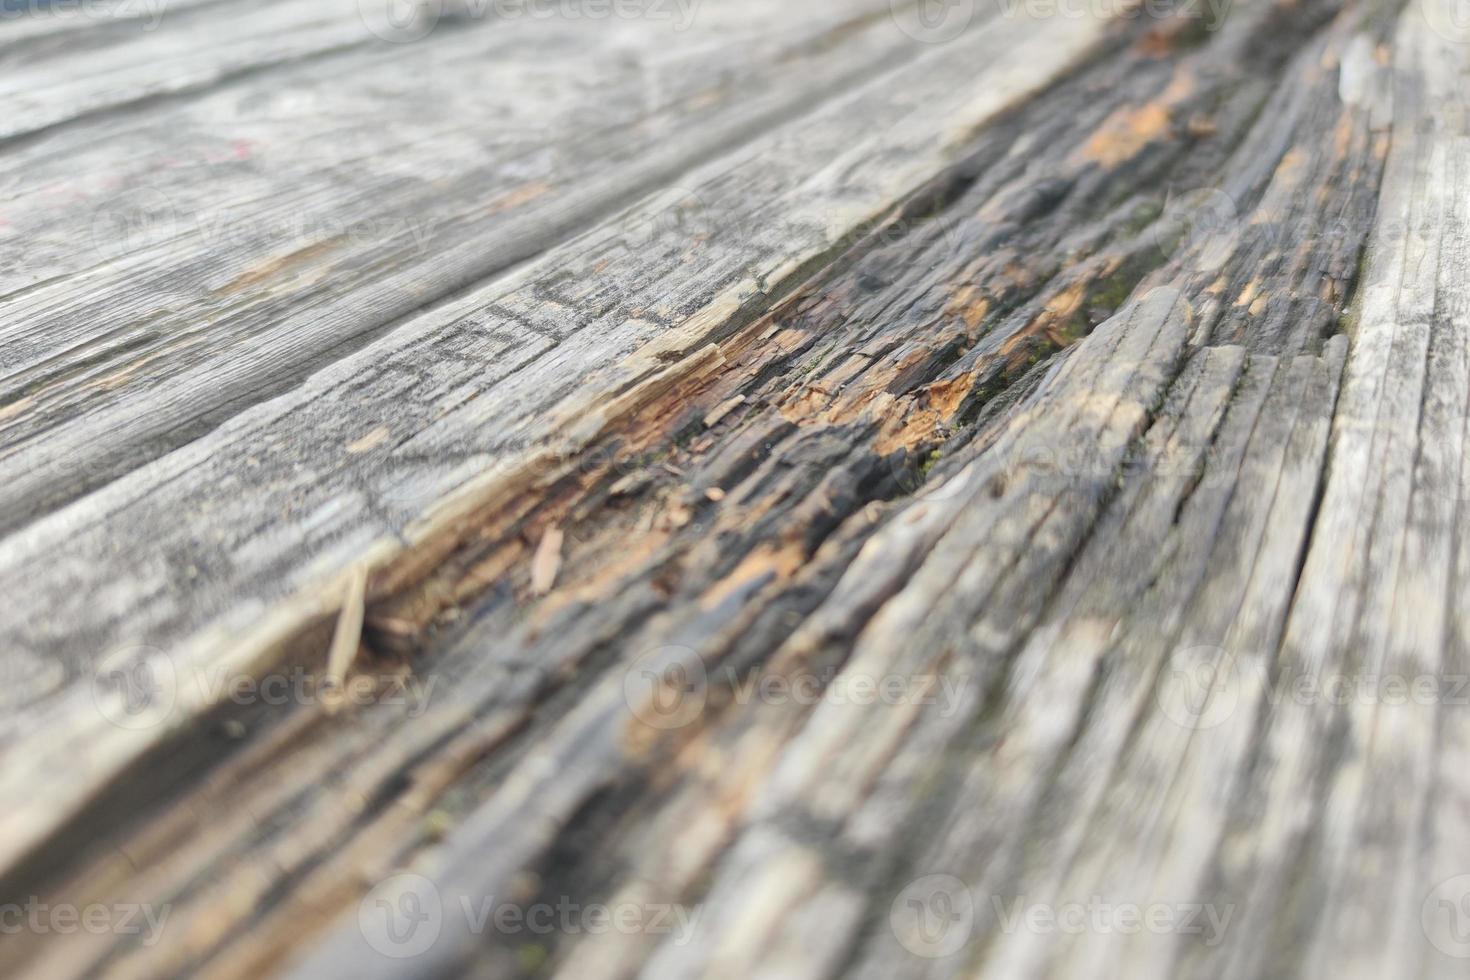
{"points": [[547, 561], [724, 408]]}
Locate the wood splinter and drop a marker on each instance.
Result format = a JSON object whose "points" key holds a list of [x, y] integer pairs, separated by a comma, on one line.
{"points": [[346, 640]]}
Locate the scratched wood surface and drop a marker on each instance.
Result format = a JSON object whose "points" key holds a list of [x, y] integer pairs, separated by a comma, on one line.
{"points": [[852, 488]]}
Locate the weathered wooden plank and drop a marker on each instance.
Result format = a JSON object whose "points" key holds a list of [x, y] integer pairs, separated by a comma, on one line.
{"points": [[165, 50], [1374, 598], [768, 862], [219, 299], [810, 183], [1033, 437]]}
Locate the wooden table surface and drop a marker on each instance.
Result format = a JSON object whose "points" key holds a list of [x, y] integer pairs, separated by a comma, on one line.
{"points": [[863, 488]]}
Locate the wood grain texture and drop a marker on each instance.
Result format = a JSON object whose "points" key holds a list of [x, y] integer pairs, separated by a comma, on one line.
{"points": [[211, 277], [891, 509], [639, 315]]}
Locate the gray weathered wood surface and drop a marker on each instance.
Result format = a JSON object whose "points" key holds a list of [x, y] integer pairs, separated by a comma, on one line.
{"points": [[1092, 381]]}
